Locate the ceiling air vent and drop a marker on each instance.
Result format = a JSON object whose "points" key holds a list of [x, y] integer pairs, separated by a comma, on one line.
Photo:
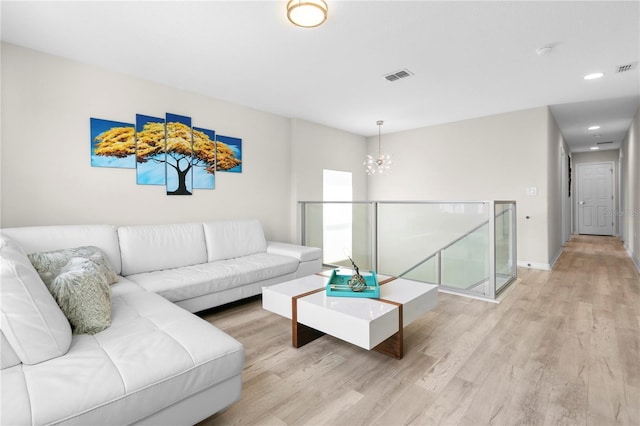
{"points": [[604, 143], [404, 73], [626, 67]]}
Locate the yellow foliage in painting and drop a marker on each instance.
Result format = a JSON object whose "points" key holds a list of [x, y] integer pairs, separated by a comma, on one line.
{"points": [[116, 142], [121, 141]]}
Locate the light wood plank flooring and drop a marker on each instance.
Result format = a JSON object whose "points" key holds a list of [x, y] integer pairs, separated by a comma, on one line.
{"points": [[562, 348]]}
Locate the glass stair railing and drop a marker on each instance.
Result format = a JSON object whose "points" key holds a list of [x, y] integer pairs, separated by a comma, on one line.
{"points": [[464, 247]]}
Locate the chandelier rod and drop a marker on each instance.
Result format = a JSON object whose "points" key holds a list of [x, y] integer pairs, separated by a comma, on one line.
{"points": [[380, 123]]}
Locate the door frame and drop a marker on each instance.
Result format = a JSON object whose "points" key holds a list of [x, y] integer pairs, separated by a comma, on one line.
{"points": [[576, 203]]}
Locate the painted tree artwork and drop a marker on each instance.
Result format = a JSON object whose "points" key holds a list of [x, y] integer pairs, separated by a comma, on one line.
{"points": [[204, 165], [179, 155], [231, 148], [112, 144], [167, 151], [150, 152]]}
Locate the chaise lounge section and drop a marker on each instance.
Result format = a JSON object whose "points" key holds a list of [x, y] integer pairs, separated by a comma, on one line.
{"points": [[157, 363]]}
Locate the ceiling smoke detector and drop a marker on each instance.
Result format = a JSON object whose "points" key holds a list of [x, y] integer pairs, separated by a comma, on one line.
{"points": [[403, 73]]}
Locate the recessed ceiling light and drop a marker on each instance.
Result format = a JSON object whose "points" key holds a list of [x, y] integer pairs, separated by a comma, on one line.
{"points": [[593, 148], [593, 128], [593, 76]]}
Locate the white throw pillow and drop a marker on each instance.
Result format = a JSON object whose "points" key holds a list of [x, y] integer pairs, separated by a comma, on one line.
{"points": [[32, 322]]}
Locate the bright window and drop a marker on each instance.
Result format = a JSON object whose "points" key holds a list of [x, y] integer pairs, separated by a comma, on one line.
{"points": [[337, 218]]}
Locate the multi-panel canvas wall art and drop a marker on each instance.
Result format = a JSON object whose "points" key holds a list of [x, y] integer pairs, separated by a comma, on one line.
{"points": [[165, 151]]}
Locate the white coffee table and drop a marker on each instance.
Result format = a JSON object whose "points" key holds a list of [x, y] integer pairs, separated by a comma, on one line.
{"points": [[372, 324]]}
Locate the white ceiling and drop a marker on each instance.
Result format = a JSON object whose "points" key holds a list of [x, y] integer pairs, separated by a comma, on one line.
{"points": [[469, 59]]}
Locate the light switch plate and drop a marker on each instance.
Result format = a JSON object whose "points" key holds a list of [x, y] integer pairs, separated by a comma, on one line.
{"points": [[532, 191]]}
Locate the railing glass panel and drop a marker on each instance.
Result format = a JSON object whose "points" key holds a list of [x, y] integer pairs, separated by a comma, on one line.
{"points": [[341, 229], [505, 243]]}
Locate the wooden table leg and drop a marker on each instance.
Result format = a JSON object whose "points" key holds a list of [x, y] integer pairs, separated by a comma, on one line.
{"points": [[302, 334], [394, 345]]}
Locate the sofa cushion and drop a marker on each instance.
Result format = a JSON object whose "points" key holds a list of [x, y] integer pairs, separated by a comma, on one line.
{"points": [[197, 280], [32, 322], [35, 239], [153, 355], [50, 263], [234, 238], [302, 253], [8, 356], [82, 292], [146, 248]]}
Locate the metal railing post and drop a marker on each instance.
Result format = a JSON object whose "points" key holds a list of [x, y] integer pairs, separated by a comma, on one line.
{"points": [[492, 251], [303, 223], [374, 237]]}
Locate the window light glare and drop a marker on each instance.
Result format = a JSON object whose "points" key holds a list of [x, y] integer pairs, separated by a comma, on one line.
{"points": [[593, 76], [593, 128]]}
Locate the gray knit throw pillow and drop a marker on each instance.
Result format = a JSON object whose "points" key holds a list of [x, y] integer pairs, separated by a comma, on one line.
{"points": [[48, 264], [84, 295]]}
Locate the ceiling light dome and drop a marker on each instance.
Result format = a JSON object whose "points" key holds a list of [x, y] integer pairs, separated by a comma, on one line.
{"points": [[307, 13]]}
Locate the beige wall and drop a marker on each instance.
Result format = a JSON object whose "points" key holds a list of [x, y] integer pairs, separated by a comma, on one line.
{"points": [[554, 188], [630, 160], [315, 147], [489, 158], [46, 173], [46, 105]]}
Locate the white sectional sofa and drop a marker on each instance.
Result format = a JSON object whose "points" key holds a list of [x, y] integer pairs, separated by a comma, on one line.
{"points": [[157, 363]]}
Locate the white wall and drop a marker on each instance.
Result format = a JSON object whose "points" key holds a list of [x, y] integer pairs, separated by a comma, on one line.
{"points": [[554, 189], [489, 158], [315, 147], [630, 153], [45, 164]]}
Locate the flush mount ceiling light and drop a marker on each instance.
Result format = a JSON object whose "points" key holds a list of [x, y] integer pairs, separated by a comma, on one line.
{"points": [[380, 164], [593, 148], [307, 13], [593, 76], [593, 128]]}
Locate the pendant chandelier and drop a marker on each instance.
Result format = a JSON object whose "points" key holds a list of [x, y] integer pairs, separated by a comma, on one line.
{"points": [[380, 164]]}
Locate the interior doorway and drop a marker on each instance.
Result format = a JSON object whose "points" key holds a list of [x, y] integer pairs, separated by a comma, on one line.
{"points": [[595, 198]]}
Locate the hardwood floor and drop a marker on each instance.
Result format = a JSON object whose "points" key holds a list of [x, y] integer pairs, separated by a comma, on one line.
{"points": [[562, 348]]}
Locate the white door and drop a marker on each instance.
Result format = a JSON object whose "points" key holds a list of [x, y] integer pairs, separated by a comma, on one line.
{"points": [[595, 198]]}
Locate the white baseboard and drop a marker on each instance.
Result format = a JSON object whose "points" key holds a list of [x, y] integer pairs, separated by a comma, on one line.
{"points": [[634, 259], [543, 266], [534, 265]]}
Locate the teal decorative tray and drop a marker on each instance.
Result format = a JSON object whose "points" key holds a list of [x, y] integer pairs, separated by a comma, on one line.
{"points": [[337, 285]]}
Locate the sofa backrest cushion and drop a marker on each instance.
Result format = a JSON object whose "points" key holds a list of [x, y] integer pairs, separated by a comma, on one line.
{"points": [[34, 239], [234, 238], [32, 322], [146, 248]]}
